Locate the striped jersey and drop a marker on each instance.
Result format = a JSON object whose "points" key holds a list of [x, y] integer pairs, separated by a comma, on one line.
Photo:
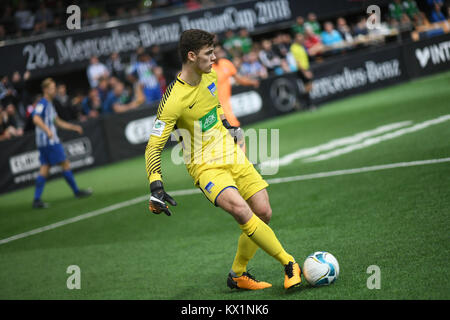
{"points": [[193, 113], [46, 111]]}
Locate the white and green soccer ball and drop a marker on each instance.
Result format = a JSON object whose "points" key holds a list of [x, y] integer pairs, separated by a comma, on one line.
{"points": [[321, 268]]}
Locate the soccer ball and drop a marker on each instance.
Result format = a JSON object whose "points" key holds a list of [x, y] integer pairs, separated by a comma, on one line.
{"points": [[320, 268]]}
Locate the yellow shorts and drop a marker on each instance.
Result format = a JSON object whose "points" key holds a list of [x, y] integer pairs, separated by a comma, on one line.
{"points": [[242, 177]]}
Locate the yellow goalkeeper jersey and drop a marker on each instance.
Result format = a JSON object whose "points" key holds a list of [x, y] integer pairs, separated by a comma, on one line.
{"points": [[193, 114]]}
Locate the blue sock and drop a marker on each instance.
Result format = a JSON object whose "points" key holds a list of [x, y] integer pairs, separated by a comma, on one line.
{"points": [[71, 181], [40, 182]]}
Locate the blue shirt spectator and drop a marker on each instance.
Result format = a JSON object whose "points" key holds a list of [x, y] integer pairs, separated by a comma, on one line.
{"points": [[436, 14], [143, 71], [92, 105], [432, 2], [330, 36], [117, 96]]}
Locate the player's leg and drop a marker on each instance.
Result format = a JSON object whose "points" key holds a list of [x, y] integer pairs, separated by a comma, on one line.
{"points": [[68, 176], [252, 187], [231, 201], [260, 233], [39, 186], [260, 205]]}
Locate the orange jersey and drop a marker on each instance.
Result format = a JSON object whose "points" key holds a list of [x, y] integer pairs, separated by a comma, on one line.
{"points": [[225, 69]]}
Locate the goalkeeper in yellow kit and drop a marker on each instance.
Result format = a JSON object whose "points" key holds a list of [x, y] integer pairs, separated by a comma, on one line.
{"points": [[190, 107]]}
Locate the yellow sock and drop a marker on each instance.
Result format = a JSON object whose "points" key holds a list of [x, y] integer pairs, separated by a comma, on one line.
{"points": [[245, 251], [264, 237]]}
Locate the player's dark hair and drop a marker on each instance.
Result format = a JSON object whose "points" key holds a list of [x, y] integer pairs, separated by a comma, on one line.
{"points": [[193, 40]]}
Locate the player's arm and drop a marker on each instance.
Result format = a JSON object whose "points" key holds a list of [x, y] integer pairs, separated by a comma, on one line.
{"points": [[68, 126], [246, 81], [168, 113], [235, 132], [38, 122], [138, 100]]}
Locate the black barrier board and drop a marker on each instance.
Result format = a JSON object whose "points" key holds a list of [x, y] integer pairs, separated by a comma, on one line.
{"points": [[127, 134], [19, 161], [355, 73], [428, 56]]}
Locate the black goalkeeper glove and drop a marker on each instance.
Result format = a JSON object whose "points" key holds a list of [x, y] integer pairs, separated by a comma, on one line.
{"points": [[158, 198], [236, 132]]}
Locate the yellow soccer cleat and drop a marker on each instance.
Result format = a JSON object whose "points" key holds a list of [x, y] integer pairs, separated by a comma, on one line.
{"points": [[246, 281], [292, 277]]}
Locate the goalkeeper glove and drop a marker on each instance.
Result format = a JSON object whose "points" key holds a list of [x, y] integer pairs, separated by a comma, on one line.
{"points": [[158, 198], [236, 132]]}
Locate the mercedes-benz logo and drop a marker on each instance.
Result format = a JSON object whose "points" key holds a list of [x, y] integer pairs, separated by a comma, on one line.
{"points": [[283, 94]]}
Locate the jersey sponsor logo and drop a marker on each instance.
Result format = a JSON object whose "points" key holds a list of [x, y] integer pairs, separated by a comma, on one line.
{"points": [[212, 88], [158, 128], [208, 120], [191, 106], [209, 186]]}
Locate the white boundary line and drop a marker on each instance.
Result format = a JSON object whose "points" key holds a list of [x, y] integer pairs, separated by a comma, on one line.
{"points": [[134, 201]]}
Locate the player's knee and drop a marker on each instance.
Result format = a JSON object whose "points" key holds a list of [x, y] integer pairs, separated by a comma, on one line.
{"points": [[265, 214]]}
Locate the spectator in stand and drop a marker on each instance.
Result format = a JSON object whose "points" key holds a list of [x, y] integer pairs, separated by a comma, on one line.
{"points": [[20, 85], [143, 72], [280, 47], [8, 93], [431, 3], [4, 133], [312, 43], [396, 11], [313, 23], [10, 123], [343, 28], [436, 14], [104, 83], [229, 44], [269, 59], [411, 8], [59, 14], [134, 56], [95, 71], [193, 5], [115, 66], [252, 68], [157, 56], [243, 42], [299, 26], [8, 20], [330, 36], [360, 28], [304, 72], [159, 74], [405, 23], [92, 105], [43, 18], [24, 19], [119, 100], [63, 104]]}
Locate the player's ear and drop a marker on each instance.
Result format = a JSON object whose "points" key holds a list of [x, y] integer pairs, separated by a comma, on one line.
{"points": [[191, 56]]}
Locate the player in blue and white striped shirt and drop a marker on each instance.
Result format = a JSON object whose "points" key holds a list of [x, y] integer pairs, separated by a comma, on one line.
{"points": [[51, 151]]}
